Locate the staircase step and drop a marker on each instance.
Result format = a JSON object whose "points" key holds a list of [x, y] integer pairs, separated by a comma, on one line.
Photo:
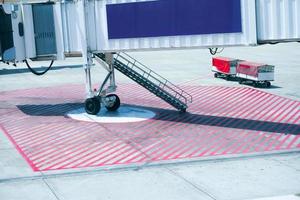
{"points": [[149, 85]]}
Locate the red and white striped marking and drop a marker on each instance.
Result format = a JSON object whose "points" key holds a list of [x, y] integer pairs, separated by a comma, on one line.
{"points": [[220, 121]]}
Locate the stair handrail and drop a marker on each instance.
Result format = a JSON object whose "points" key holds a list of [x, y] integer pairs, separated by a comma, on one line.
{"points": [[166, 83]]}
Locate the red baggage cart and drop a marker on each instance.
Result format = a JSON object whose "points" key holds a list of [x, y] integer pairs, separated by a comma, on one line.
{"points": [[224, 67], [259, 74]]}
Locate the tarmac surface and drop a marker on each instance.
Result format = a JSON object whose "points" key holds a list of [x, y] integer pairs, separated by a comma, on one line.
{"points": [[235, 141]]}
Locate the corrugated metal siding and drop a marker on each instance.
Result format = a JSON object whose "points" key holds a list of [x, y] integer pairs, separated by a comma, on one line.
{"points": [[73, 26], [278, 20], [99, 34], [28, 32]]}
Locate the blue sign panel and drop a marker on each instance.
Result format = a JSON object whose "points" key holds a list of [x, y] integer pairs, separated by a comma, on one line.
{"points": [[173, 18]]}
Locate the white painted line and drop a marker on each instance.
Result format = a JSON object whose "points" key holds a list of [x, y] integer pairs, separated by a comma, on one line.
{"points": [[124, 114]]}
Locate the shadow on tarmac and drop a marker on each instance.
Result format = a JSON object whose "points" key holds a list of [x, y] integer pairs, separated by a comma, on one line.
{"points": [[49, 110], [175, 116]]}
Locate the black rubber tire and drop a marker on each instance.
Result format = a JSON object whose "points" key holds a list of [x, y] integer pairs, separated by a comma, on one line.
{"points": [[268, 84], [227, 77], [183, 110], [216, 75], [112, 106], [241, 81], [256, 84], [92, 106]]}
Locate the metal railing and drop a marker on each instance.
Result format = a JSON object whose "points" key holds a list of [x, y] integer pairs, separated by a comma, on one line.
{"points": [[155, 78]]}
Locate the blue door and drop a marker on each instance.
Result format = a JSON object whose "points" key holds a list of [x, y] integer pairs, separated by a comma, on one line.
{"points": [[44, 31]]}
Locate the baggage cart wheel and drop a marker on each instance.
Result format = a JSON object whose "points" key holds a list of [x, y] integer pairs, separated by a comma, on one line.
{"points": [[241, 81], [92, 106], [216, 75], [256, 84], [112, 102], [227, 77]]}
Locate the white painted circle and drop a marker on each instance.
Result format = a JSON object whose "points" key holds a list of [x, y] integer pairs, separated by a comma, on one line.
{"points": [[124, 114]]}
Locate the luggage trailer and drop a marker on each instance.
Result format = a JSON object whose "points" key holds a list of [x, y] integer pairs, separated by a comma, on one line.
{"points": [[224, 67], [258, 74]]}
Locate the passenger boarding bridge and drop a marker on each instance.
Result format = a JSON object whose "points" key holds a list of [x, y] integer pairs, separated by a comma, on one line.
{"points": [[103, 30]]}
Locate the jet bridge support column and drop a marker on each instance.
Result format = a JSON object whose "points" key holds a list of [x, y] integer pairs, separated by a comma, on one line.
{"points": [[92, 104], [88, 78], [109, 57], [95, 98]]}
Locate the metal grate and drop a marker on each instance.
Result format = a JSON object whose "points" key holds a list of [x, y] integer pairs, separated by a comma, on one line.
{"points": [[155, 78], [152, 81]]}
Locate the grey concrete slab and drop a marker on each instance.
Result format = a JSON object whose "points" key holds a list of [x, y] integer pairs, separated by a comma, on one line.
{"points": [[145, 184], [4, 142], [63, 72], [288, 197], [184, 65], [243, 179], [292, 161], [13, 165], [27, 190]]}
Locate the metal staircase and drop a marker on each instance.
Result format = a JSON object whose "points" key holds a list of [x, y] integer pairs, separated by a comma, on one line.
{"points": [[150, 80]]}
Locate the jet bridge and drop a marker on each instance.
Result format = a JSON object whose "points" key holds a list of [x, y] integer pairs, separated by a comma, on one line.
{"points": [[52, 29]]}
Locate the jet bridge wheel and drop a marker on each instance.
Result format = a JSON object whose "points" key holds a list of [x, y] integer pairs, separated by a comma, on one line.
{"points": [[112, 102], [92, 106], [267, 84]]}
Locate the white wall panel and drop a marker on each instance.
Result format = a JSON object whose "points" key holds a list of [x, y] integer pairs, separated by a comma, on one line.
{"points": [[58, 31], [19, 41], [278, 20], [29, 32], [73, 26], [98, 32]]}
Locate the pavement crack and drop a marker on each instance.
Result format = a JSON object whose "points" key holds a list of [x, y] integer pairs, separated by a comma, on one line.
{"points": [[50, 188], [192, 184], [285, 164]]}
